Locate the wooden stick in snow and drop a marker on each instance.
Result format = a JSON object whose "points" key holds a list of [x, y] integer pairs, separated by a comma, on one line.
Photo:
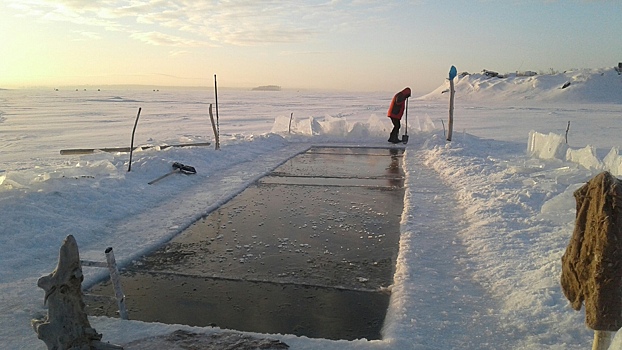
{"points": [[129, 166], [450, 127], [216, 136], [452, 74], [602, 340], [217, 121]]}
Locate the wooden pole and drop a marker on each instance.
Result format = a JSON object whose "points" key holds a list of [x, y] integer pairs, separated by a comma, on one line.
{"points": [[567, 128], [452, 74], [211, 117], [129, 166], [602, 340], [217, 121], [291, 116], [450, 126]]}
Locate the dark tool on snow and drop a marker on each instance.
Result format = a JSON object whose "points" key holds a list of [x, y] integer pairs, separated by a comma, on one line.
{"points": [[405, 136], [177, 167]]}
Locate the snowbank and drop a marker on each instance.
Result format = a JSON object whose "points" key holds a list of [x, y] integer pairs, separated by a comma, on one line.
{"points": [[585, 86]]}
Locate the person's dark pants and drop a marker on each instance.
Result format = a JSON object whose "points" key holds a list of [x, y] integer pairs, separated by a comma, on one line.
{"points": [[394, 137]]}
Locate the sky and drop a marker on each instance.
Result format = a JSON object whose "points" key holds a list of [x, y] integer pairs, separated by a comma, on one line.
{"points": [[353, 45]]}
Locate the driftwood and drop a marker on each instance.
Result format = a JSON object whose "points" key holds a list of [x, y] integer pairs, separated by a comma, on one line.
{"points": [[66, 326]]}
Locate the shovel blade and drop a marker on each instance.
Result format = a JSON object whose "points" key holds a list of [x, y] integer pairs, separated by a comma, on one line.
{"points": [[405, 139], [186, 169]]}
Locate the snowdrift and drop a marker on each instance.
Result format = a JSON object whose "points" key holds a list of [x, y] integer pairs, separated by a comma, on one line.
{"points": [[583, 86]]}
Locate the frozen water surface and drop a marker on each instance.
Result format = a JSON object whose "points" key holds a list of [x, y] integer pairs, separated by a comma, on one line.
{"points": [[282, 257]]}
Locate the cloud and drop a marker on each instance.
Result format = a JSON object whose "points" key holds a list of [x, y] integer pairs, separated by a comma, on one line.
{"points": [[88, 36], [192, 23], [297, 53], [156, 38], [178, 52]]}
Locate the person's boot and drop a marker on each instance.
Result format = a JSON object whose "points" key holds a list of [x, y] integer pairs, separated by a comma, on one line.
{"points": [[394, 138]]}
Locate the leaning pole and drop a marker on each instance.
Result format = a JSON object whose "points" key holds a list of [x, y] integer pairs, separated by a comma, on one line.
{"points": [[217, 121]]}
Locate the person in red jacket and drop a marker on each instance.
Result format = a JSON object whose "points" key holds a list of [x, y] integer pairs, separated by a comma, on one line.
{"points": [[396, 110]]}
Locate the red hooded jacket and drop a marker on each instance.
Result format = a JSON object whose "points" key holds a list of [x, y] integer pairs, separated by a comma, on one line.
{"points": [[396, 109]]}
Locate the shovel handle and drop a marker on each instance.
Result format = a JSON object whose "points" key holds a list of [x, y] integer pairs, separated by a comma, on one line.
{"points": [[161, 177], [406, 116]]}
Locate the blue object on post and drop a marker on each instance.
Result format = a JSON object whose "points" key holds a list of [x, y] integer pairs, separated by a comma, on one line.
{"points": [[452, 72]]}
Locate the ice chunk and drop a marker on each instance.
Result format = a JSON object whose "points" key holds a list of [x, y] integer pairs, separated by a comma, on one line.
{"points": [[281, 125], [613, 162], [586, 157], [551, 146]]}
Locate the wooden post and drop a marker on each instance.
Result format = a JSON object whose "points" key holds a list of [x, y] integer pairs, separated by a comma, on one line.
{"points": [[602, 340], [217, 121], [567, 128], [291, 116], [216, 136], [129, 166], [452, 75]]}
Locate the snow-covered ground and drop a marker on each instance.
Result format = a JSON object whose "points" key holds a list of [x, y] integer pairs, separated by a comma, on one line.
{"points": [[483, 230]]}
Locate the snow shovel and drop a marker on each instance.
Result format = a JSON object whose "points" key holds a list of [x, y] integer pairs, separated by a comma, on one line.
{"points": [[405, 136], [177, 167]]}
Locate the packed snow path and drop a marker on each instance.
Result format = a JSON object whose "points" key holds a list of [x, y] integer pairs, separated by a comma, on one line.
{"points": [[446, 300]]}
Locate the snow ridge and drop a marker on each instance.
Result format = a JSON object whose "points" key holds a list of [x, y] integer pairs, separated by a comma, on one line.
{"points": [[574, 86]]}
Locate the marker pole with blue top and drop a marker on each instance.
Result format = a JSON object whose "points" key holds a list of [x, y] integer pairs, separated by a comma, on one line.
{"points": [[452, 74]]}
